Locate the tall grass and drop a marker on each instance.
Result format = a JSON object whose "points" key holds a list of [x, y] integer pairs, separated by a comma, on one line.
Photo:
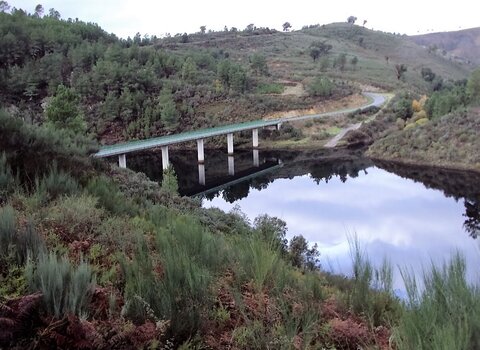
{"points": [[7, 229], [371, 293], [445, 314], [189, 259], [65, 288], [258, 260]]}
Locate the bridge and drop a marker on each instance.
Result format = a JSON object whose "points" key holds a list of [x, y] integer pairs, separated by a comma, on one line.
{"points": [[163, 142]]}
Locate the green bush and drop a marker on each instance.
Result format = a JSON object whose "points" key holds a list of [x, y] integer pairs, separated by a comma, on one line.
{"points": [[272, 88], [8, 181], [7, 229], [29, 244], [444, 314], [64, 287], [109, 196], [56, 183], [321, 86], [170, 182], [78, 215]]}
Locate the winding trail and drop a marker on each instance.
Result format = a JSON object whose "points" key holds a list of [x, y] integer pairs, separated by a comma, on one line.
{"points": [[333, 142]]}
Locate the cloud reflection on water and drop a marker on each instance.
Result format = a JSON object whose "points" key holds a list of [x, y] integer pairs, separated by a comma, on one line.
{"points": [[390, 215]]}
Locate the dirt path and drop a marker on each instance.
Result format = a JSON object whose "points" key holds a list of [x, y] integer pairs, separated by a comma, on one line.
{"points": [[333, 142]]}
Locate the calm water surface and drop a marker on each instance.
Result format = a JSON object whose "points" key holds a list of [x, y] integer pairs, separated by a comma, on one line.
{"points": [[411, 216]]}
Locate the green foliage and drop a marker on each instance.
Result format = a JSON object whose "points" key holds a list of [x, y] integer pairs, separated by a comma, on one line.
{"points": [[65, 288], [402, 107], [189, 70], [56, 183], [427, 74], [446, 100], [29, 243], [169, 181], [31, 149], [169, 113], [340, 61], [473, 87], [109, 196], [78, 215], [321, 86], [7, 229], [190, 258], [301, 256], [272, 230], [8, 181], [446, 309], [371, 293], [272, 88], [400, 70], [258, 63], [233, 76], [318, 49], [63, 111], [258, 260]]}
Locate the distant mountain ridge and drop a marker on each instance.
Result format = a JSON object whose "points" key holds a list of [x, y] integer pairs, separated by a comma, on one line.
{"points": [[462, 45]]}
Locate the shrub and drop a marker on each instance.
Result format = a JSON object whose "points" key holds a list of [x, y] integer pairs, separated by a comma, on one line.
{"points": [[8, 182], [169, 182], [272, 88], [7, 229], [109, 196], [29, 244], [321, 86], [444, 314], [56, 183], [65, 288], [78, 215]]}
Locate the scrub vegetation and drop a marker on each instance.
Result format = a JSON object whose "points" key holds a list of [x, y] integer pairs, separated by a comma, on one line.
{"points": [[97, 257]]}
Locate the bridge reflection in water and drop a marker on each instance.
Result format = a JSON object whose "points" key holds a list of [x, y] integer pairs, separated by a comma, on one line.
{"points": [[219, 170]]}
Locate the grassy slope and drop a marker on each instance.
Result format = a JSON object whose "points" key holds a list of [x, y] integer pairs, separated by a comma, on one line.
{"points": [[460, 45], [449, 141], [288, 55]]}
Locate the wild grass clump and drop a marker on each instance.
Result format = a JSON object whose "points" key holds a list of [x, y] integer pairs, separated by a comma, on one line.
{"points": [[109, 196], [445, 314], [7, 229], [258, 260], [65, 288], [189, 257], [29, 243], [371, 292], [78, 215], [8, 181], [56, 183]]}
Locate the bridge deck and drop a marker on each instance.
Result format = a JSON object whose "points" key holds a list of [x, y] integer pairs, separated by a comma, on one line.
{"points": [[122, 148], [132, 146]]}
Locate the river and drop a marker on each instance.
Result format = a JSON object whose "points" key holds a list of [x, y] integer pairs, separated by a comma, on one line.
{"points": [[412, 216]]}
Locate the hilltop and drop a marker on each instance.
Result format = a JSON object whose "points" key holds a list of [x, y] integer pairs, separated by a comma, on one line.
{"points": [[462, 45]]}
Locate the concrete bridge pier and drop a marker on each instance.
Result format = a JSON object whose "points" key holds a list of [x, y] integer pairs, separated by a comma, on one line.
{"points": [[201, 154], [231, 165], [256, 158], [255, 138], [201, 174], [230, 144], [279, 125], [165, 160], [122, 160]]}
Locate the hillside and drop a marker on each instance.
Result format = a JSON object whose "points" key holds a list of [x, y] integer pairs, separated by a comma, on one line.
{"points": [[143, 87], [462, 45], [448, 141], [288, 54]]}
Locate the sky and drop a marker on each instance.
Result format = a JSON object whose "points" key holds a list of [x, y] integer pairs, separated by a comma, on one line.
{"points": [[127, 17]]}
